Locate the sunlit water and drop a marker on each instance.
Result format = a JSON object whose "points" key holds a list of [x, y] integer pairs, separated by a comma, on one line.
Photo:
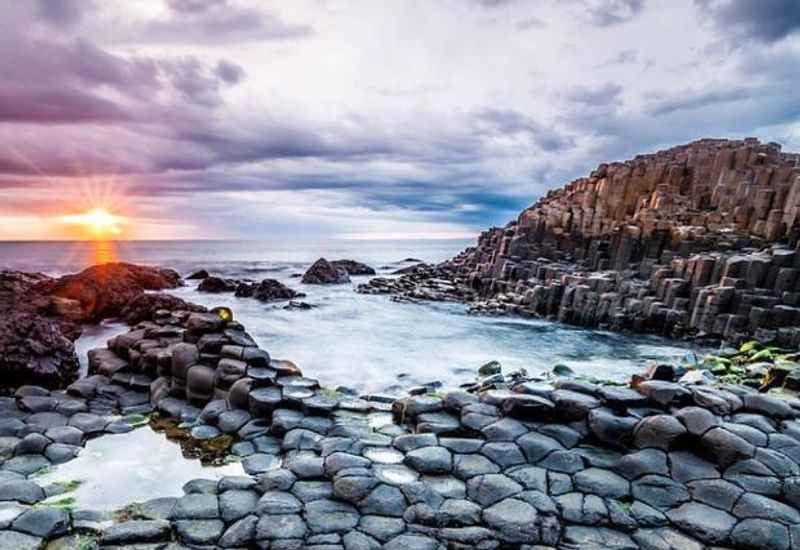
{"points": [[367, 342], [116, 470]]}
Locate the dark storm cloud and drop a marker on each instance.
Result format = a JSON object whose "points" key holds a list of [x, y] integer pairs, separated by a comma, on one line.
{"points": [[759, 20]]}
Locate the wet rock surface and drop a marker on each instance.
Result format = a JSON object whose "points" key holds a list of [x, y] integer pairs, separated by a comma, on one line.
{"points": [[698, 240], [323, 272], [507, 461]]}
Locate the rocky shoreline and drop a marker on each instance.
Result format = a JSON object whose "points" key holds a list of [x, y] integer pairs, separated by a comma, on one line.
{"points": [[695, 241], [677, 460]]}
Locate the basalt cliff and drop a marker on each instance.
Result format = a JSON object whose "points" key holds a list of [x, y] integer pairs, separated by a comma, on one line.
{"points": [[697, 240]]}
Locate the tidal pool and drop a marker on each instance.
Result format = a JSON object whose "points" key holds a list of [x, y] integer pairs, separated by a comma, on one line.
{"points": [[120, 469]]}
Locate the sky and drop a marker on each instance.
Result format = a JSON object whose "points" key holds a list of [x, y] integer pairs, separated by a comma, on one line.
{"points": [[361, 119]]}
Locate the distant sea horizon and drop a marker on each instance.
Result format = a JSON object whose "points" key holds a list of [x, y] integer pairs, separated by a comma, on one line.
{"points": [[63, 256]]}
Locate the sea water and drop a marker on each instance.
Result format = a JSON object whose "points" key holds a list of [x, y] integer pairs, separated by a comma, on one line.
{"points": [[363, 341]]}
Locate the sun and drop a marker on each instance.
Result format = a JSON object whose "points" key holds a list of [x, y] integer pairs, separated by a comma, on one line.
{"points": [[98, 221]]}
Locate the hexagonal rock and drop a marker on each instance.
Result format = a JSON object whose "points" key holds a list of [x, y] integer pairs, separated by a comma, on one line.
{"points": [[240, 533], [762, 534], [658, 431], [430, 460], [514, 520], [536, 446], [577, 537], [697, 420], [490, 488], [610, 428], [470, 465], [601, 482], [199, 532], [278, 502], [572, 405], [665, 539], [196, 506], [330, 516], [708, 524], [384, 500], [43, 522], [24, 491], [758, 506], [413, 542], [664, 393], [660, 492], [136, 531], [283, 526], [726, 447], [236, 504], [768, 406], [528, 407], [718, 493], [19, 541]]}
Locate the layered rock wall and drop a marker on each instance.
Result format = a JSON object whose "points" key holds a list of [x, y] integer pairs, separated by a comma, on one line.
{"points": [[697, 239]]}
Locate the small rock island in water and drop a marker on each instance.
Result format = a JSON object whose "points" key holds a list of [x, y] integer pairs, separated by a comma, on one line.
{"points": [[695, 242]]}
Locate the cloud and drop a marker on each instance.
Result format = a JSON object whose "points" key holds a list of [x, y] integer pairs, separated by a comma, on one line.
{"points": [[229, 71], [62, 13], [601, 95], [689, 100], [507, 122], [607, 13], [530, 23], [194, 6], [56, 106], [211, 22], [764, 21]]}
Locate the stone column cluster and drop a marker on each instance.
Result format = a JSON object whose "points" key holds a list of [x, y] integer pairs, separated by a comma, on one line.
{"points": [[698, 239]]}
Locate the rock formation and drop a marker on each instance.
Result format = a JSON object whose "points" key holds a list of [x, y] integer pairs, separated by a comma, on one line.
{"points": [[102, 291], [40, 316], [700, 239], [323, 272], [510, 461], [268, 290], [353, 267]]}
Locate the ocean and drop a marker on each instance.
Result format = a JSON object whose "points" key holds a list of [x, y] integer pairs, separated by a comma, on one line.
{"points": [[361, 341]]}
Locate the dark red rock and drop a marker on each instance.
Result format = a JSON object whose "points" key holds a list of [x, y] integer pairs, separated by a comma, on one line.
{"points": [[104, 290]]}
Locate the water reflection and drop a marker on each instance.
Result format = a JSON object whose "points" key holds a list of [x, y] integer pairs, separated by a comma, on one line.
{"points": [[104, 252], [116, 470]]}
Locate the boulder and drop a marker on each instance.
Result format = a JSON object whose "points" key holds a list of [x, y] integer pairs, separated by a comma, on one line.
{"points": [[217, 285], [144, 306], [323, 272], [104, 290], [268, 290], [353, 267]]}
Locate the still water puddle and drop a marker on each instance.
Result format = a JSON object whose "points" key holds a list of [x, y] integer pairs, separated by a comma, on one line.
{"points": [[116, 470]]}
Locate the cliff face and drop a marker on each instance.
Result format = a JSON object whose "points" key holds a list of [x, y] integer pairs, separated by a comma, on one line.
{"points": [[698, 239]]}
